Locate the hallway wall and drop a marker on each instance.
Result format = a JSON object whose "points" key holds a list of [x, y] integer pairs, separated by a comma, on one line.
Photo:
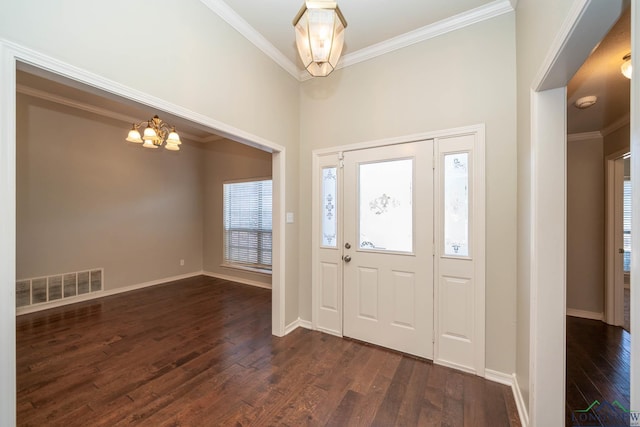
{"points": [[585, 226]]}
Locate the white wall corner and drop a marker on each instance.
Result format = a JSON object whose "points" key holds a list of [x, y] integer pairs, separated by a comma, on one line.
{"points": [[298, 323], [292, 326], [306, 324]]}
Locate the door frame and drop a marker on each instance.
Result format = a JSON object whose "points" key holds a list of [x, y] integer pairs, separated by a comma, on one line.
{"points": [[11, 54], [478, 237], [544, 223], [614, 291]]}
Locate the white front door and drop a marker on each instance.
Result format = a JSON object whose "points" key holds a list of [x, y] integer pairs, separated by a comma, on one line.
{"points": [[388, 246]]}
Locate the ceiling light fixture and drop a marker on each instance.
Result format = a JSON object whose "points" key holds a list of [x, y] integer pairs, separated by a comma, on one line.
{"points": [[625, 68], [319, 28], [586, 102], [155, 134]]}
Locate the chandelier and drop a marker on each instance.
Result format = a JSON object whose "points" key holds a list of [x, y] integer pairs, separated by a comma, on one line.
{"points": [[319, 28], [155, 134]]}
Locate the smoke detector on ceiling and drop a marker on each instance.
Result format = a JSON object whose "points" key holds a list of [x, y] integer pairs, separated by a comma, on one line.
{"points": [[586, 102]]}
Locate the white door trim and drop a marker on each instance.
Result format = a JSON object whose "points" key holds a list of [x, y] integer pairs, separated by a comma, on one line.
{"points": [[586, 24], [10, 55], [479, 230], [614, 306]]}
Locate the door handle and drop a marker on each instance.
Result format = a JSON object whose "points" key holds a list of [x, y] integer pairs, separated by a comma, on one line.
{"points": [[620, 250], [346, 258]]}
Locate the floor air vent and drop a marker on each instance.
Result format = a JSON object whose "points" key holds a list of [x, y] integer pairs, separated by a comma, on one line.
{"points": [[60, 286]]}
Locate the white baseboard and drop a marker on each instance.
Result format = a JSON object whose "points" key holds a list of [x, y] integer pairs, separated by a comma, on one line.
{"points": [[237, 279], [585, 314], [511, 381], [456, 366], [522, 408], [292, 326], [306, 324], [498, 377], [298, 323], [101, 294]]}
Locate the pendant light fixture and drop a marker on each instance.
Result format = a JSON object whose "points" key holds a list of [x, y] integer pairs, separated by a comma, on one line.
{"points": [[625, 68], [155, 134], [319, 28]]}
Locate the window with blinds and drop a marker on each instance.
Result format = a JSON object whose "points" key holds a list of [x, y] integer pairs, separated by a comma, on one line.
{"points": [[247, 224], [626, 224]]}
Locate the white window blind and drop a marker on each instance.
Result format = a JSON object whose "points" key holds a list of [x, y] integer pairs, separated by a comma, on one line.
{"points": [[626, 223], [247, 223]]}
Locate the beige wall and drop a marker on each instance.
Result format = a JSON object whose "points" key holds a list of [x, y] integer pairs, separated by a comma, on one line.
{"points": [[86, 202], [202, 64], [87, 199], [227, 161], [585, 225], [461, 78], [537, 24], [617, 141]]}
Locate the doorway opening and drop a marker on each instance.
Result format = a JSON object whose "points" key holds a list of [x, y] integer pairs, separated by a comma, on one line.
{"points": [[598, 226], [13, 57]]}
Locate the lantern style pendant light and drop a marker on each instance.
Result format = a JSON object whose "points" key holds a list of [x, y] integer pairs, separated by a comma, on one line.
{"points": [[319, 28]]}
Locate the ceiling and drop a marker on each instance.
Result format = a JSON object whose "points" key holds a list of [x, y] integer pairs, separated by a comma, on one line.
{"points": [[374, 28], [600, 76]]}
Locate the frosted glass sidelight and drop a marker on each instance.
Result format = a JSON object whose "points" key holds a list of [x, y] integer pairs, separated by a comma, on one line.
{"points": [[386, 206], [456, 204], [329, 207]]}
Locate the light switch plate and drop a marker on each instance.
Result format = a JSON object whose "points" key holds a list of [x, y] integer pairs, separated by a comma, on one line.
{"points": [[289, 217]]}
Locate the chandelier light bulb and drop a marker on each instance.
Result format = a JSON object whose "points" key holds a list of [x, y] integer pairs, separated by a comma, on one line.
{"points": [[134, 136]]}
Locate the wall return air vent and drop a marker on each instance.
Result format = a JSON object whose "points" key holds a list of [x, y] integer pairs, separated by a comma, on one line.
{"points": [[41, 290]]}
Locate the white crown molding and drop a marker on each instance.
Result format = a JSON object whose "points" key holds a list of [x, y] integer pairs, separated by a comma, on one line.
{"points": [[584, 136], [40, 94], [464, 19], [622, 121], [220, 8]]}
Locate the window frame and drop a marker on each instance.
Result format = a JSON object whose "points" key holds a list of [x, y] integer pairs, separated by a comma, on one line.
{"points": [[227, 263]]}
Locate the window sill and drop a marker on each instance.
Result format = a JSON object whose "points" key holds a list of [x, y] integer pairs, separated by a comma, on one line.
{"points": [[257, 270]]}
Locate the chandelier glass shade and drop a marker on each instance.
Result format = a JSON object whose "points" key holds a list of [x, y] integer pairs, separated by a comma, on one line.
{"points": [[319, 28], [155, 134]]}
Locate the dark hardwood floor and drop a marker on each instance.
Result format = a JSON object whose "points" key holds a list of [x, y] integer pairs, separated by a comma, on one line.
{"points": [[598, 369], [199, 352]]}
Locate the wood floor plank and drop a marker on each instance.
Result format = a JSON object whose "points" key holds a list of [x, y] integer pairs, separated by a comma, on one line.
{"points": [[598, 366], [200, 352]]}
